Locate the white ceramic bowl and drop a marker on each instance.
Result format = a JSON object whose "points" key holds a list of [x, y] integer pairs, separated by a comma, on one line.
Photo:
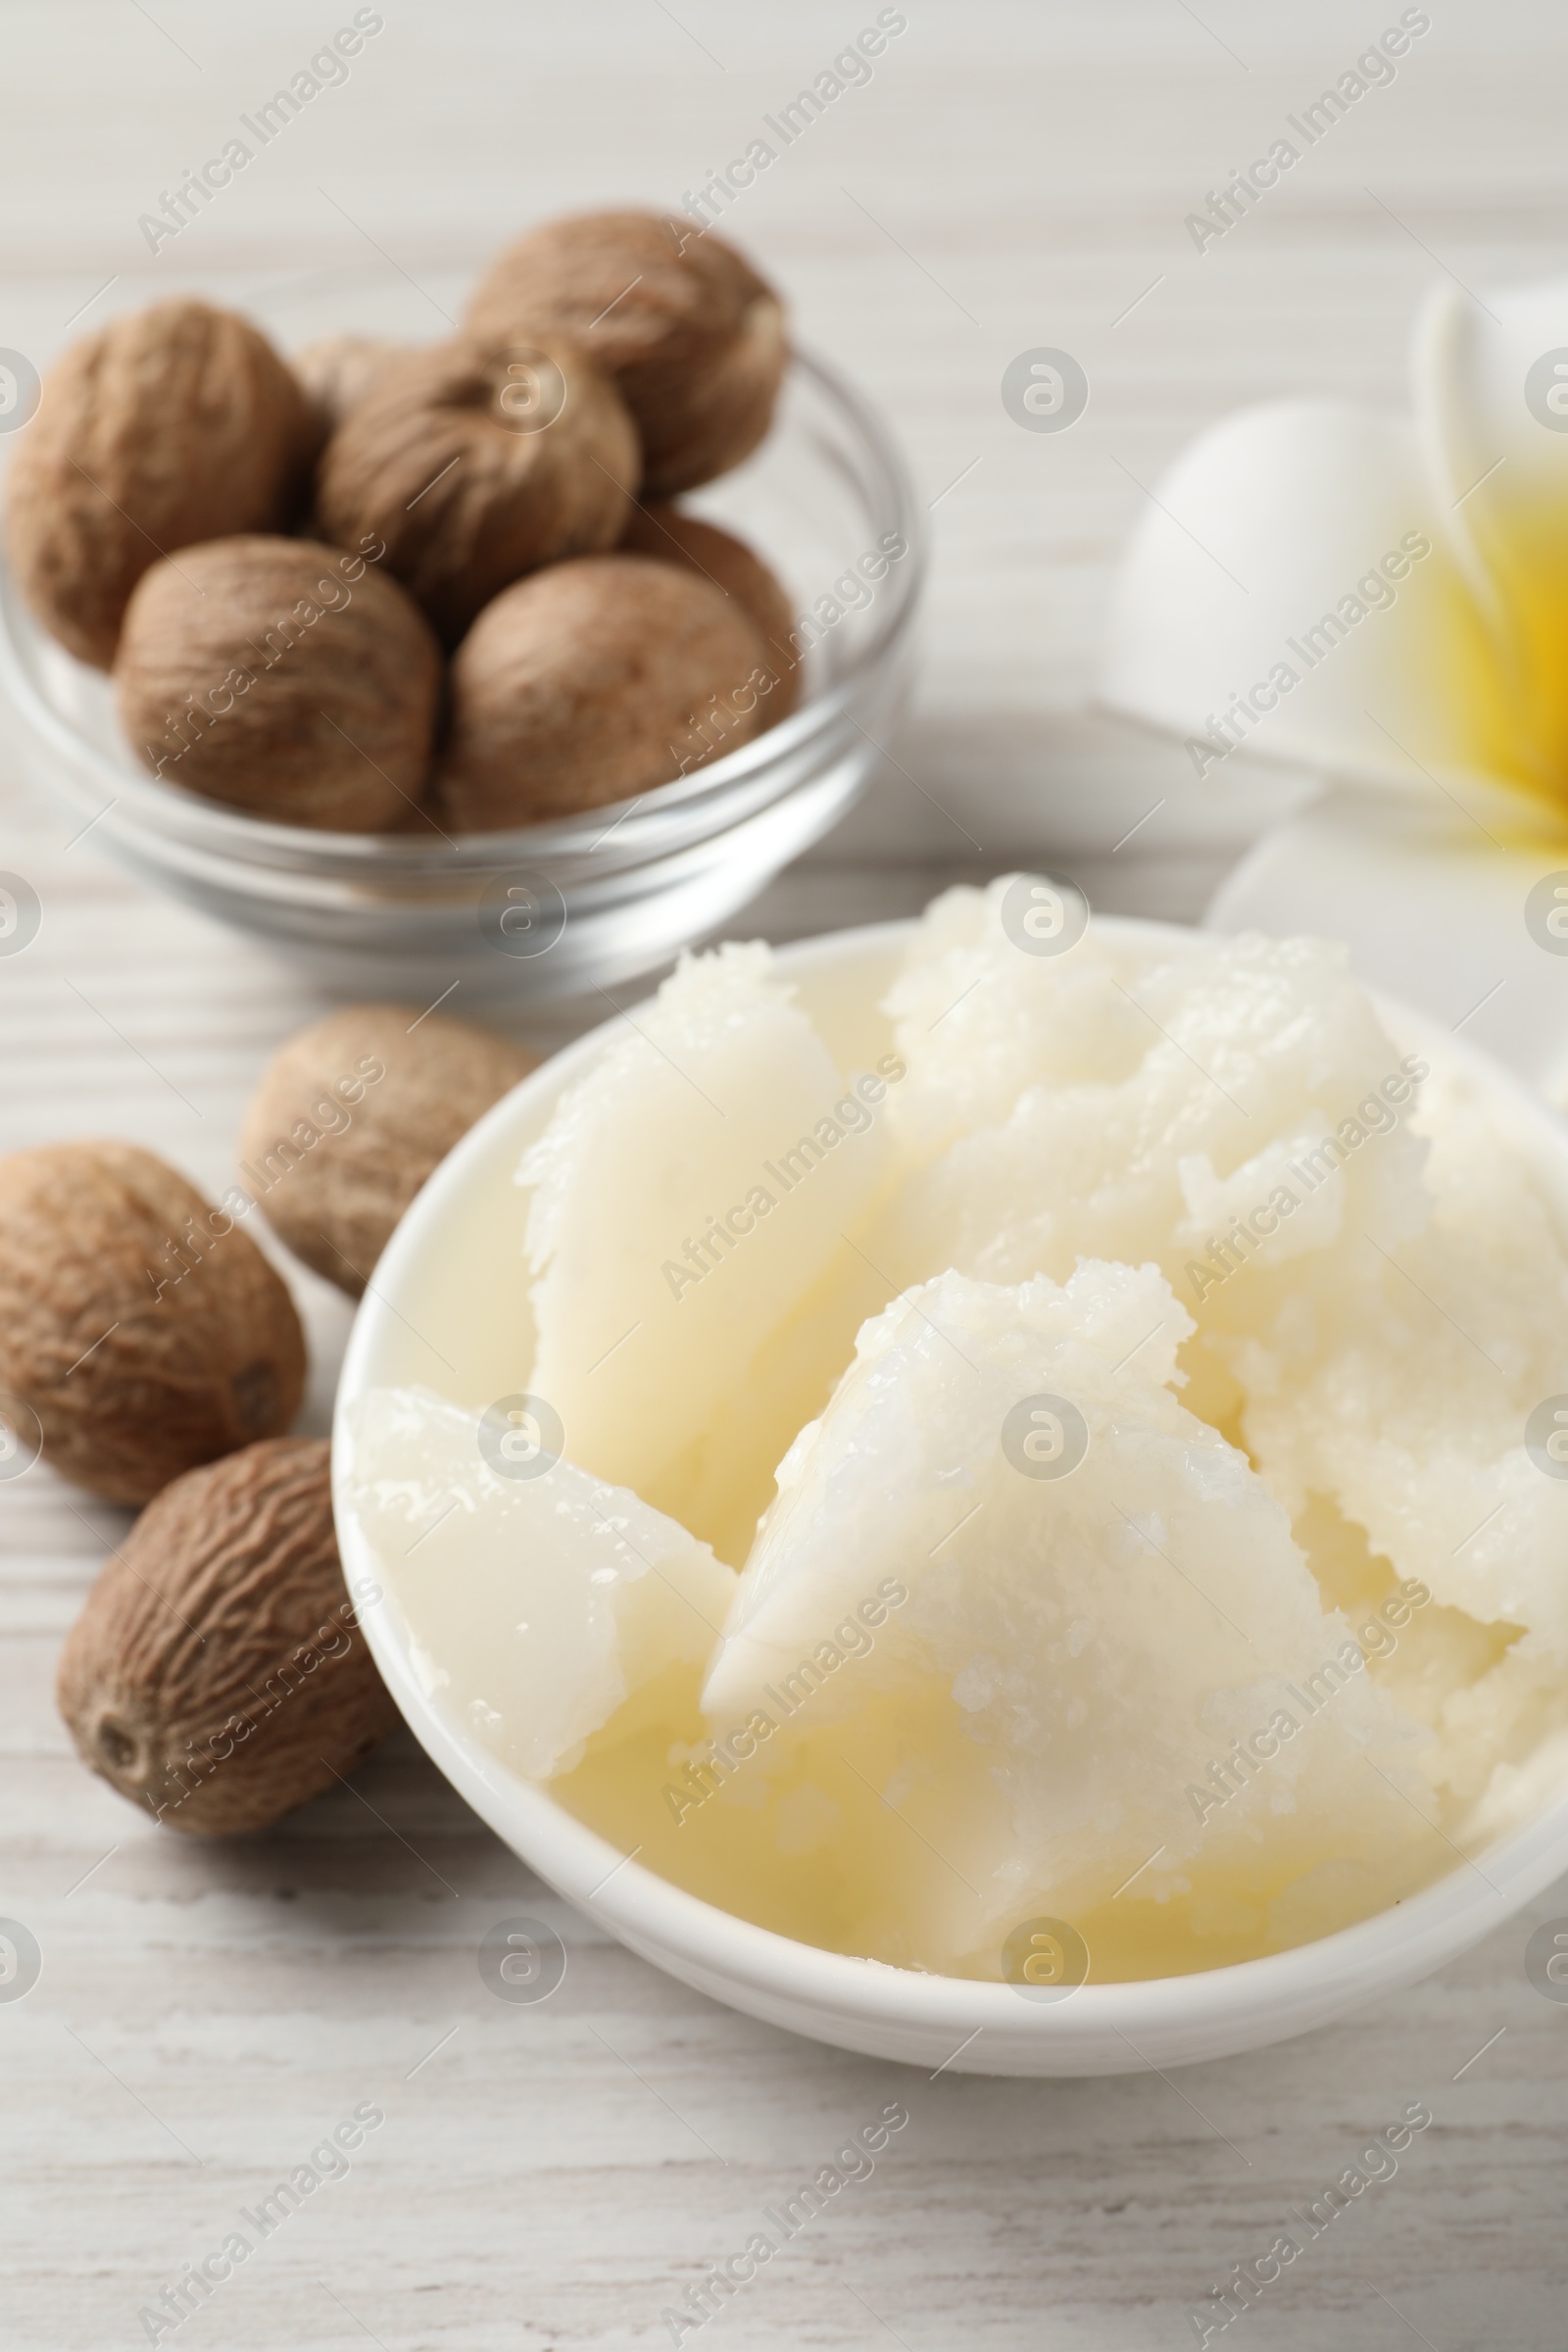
{"points": [[454, 1260]]}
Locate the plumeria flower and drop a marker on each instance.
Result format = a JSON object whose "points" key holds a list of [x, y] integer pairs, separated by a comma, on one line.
{"points": [[1381, 601]]}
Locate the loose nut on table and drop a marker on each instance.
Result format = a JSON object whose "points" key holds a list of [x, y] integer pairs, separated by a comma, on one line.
{"points": [[175, 424], [690, 332], [595, 681], [350, 1116], [469, 487], [293, 681], [144, 1329], [217, 1674]]}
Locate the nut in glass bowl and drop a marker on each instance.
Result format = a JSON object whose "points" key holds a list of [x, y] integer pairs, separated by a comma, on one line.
{"points": [[554, 907]]}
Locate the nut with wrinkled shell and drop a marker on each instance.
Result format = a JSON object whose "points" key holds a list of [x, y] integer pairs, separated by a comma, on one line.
{"points": [[290, 680], [474, 470], [691, 335], [218, 1675], [350, 1116], [174, 425], [145, 1331], [593, 682], [671, 536]]}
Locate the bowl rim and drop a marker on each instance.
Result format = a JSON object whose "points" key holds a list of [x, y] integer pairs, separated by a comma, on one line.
{"points": [[159, 808], [1245, 2000]]}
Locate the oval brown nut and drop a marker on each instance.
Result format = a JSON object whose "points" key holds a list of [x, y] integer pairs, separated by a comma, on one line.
{"points": [[352, 1115], [691, 335], [473, 475], [593, 682], [217, 1674], [283, 678], [671, 537], [177, 425], [145, 1331]]}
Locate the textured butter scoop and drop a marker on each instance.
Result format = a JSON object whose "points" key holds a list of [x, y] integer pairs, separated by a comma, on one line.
{"points": [[537, 1597], [1102, 1599]]}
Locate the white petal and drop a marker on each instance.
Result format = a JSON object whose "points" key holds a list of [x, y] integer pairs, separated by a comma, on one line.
{"points": [[1435, 912], [1491, 406], [1259, 547]]}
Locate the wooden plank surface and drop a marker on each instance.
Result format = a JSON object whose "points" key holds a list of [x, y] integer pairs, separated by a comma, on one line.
{"points": [[1012, 175]]}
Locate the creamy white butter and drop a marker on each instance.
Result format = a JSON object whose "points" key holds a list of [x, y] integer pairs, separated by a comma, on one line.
{"points": [[1167, 1560]]}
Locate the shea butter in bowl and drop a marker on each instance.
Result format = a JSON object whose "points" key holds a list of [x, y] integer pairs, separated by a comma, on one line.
{"points": [[1146, 1358]]}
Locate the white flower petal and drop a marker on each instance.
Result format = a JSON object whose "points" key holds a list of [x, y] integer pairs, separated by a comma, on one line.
{"points": [[1263, 544], [1492, 408], [1434, 912]]}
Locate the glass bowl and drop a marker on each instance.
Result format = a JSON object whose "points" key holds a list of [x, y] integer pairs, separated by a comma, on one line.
{"points": [[547, 909]]}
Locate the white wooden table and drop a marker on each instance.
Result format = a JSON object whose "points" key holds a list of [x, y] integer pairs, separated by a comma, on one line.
{"points": [[1014, 175]]}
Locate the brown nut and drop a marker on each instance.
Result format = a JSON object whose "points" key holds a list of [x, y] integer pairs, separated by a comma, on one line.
{"points": [[672, 537], [336, 374], [144, 1330], [350, 1116], [283, 678], [691, 335], [595, 681], [217, 1674], [177, 425], [477, 469]]}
